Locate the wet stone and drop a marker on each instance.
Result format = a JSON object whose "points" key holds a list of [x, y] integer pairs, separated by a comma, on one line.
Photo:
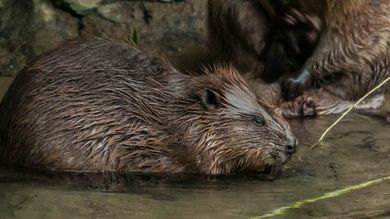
{"points": [[29, 28], [162, 28]]}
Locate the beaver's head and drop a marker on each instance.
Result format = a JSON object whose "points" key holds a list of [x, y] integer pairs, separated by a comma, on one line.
{"points": [[223, 128]]}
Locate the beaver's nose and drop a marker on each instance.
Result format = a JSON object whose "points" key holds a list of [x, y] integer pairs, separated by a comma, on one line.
{"points": [[291, 146], [290, 149]]}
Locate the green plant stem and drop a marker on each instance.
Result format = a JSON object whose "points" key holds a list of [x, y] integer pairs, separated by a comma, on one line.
{"points": [[336, 193]]}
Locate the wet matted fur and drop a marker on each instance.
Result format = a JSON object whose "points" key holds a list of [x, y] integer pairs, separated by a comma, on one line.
{"points": [[101, 105]]}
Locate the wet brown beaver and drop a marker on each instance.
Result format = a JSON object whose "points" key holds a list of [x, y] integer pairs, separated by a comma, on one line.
{"points": [[352, 55], [100, 105], [272, 35]]}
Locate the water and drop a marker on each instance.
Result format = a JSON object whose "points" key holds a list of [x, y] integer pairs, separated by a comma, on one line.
{"points": [[356, 151]]}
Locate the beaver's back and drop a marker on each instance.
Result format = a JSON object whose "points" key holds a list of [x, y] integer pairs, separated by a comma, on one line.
{"points": [[79, 101]]}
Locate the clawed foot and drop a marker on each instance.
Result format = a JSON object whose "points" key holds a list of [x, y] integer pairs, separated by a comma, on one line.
{"points": [[300, 107], [293, 42], [305, 29], [301, 32], [307, 109], [309, 25]]}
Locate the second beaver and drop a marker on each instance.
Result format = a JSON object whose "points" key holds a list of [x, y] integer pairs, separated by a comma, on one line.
{"points": [[100, 105], [271, 36], [351, 57]]}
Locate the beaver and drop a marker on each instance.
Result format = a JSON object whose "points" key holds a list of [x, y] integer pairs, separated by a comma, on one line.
{"points": [[351, 58], [274, 36], [102, 105]]}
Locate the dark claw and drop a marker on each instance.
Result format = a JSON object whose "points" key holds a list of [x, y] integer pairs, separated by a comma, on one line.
{"points": [[308, 109], [298, 16], [311, 37], [292, 18], [314, 23]]}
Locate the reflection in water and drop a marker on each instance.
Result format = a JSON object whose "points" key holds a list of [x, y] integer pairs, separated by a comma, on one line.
{"points": [[356, 151]]}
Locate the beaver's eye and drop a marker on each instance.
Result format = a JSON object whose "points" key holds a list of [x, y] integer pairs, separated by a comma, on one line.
{"points": [[259, 121]]}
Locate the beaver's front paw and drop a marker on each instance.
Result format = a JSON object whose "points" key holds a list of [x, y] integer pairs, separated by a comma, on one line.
{"points": [[307, 108], [300, 107], [309, 25], [301, 33]]}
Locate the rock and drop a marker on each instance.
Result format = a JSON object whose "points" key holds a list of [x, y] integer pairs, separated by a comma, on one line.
{"points": [[163, 28], [31, 27], [83, 5], [5, 82]]}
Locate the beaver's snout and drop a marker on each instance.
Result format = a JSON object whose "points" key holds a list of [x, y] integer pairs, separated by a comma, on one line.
{"points": [[285, 149], [288, 146], [291, 146]]}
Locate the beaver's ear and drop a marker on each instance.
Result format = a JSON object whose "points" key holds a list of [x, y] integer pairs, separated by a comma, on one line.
{"points": [[210, 98]]}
